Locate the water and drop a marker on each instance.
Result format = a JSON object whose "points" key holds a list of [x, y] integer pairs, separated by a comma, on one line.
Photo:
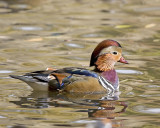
{"points": [[38, 34]]}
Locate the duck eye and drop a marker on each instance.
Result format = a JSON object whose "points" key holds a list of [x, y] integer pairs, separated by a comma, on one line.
{"points": [[115, 53]]}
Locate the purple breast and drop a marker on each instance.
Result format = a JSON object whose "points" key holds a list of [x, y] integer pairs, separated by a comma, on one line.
{"points": [[112, 77]]}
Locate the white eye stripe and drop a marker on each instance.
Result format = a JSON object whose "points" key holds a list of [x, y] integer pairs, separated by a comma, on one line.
{"points": [[110, 49], [115, 53], [103, 53]]}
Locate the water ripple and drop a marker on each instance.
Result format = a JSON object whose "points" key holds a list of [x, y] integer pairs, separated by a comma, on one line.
{"points": [[144, 109], [74, 45], [5, 71], [124, 71], [28, 28]]}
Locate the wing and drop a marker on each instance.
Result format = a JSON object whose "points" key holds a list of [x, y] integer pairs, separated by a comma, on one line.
{"points": [[69, 75], [40, 75], [56, 79], [78, 71]]}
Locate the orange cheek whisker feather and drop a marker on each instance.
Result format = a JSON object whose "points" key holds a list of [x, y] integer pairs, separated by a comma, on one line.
{"points": [[105, 63]]}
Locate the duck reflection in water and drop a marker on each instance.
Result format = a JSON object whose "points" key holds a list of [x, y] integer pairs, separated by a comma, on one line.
{"points": [[101, 108], [106, 114]]}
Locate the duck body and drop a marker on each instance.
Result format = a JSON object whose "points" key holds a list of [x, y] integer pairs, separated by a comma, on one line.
{"points": [[70, 79], [79, 80]]}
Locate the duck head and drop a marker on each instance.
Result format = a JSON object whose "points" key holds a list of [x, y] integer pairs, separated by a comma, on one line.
{"points": [[106, 54]]}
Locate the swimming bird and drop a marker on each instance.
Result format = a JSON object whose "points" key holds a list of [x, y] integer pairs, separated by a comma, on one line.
{"points": [[102, 79]]}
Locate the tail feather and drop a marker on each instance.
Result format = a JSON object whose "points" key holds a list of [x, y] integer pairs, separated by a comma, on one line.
{"points": [[24, 78], [34, 83]]}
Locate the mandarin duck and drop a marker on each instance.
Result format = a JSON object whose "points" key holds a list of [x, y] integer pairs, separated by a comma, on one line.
{"points": [[80, 80]]}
